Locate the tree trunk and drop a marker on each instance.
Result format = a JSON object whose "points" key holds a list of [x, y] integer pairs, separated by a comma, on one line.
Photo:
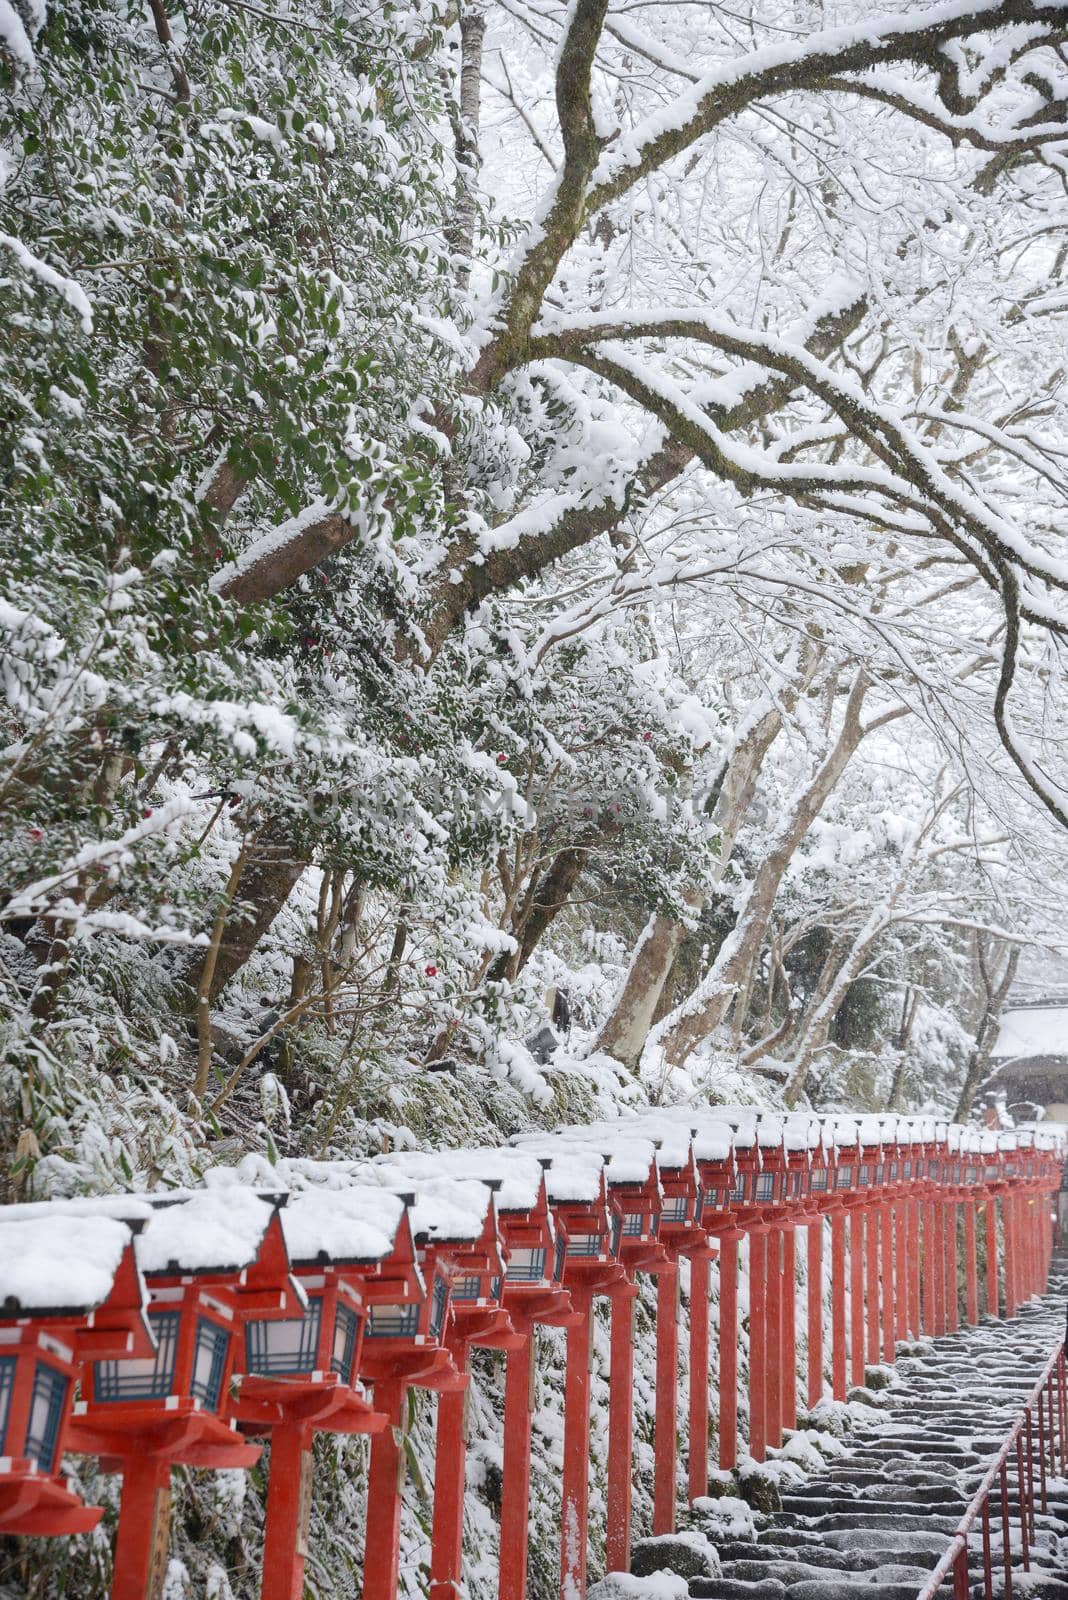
{"points": [[634, 1011], [996, 990], [692, 1022], [626, 1029], [465, 137], [910, 1005], [274, 868]]}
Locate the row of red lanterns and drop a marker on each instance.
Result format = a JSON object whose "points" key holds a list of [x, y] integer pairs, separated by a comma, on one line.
{"points": [[175, 1328]]}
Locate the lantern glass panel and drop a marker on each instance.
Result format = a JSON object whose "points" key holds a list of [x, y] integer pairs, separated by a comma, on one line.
{"points": [[864, 1175], [209, 1363], [818, 1180], [956, 1172], [907, 1169], [346, 1326], [676, 1209], [527, 1265], [634, 1224], [392, 1322], [439, 1301], [7, 1384], [895, 1170], [290, 1345], [585, 1244], [46, 1414], [738, 1191], [843, 1178], [469, 1288], [764, 1186], [559, 1255], [149, 1379], [879, 1170]]}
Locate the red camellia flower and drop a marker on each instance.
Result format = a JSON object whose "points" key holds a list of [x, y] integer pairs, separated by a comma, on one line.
{"points": [[36, 834], [431, 971], [147, 812]]}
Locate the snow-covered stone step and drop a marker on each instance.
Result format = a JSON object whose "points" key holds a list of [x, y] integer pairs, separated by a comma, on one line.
{"points": [[873, 1524]]}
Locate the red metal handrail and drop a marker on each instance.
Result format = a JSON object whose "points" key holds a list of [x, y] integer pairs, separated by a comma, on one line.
{"points": [[1038, 1437]]}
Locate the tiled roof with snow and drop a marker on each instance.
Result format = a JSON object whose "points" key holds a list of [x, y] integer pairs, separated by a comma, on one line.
{"points": [[1032, 1031]]}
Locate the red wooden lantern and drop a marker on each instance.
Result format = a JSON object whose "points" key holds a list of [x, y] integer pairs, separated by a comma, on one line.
{"points": [[592, 1228], [209, 1259], [531, 1292], [298, 1376], [475, 1265], [680, 1235], [70, 1288], [417, 1341]]}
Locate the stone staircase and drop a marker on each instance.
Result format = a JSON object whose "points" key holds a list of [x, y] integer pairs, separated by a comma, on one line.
{"points": [[876, 1522]]}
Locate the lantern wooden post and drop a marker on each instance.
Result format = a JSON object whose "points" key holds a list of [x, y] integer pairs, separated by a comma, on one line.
{"points": [[450, 1485], [991, 1220], [142, 1536], [871, 1239], [839, 1336], [952, 1267], [789, 1328], [939, 1266], [928, 1314], [1008, 1233], [288, 1504], [515, 1488], [665, 1441], [728, 1348], [886, 1240], [856, 1295], [576, 1473], [758, 1273], [773, 1339], [814, 1307], [697, 1460], [971, 1265], [620, 1427], [385, 1477], [901, 1269], [915, 1266]]}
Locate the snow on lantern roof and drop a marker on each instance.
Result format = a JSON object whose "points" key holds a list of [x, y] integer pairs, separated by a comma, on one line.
{"points": [[712, 1140], [133, 1209], [842, 1131], [329, 1213], [442, 1210], [672, 1140], [629, 1157], [711, 1134], [575, 1172], [57, 1261], [357, 1224], [741, 1120], [771, 1133], [800, 1131], [516, 1174], [206, 1230]]}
